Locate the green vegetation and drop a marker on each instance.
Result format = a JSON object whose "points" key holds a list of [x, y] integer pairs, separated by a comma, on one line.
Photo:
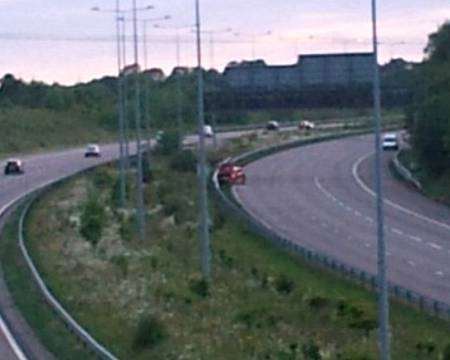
{"points": [[28, 299], [429, 117], [148, 300]]}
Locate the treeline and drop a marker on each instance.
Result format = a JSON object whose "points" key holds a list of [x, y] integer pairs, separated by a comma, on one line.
{"points": [[429, 113], [97, 100]]}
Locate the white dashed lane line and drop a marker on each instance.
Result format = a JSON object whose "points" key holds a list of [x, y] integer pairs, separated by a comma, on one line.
{"points": [[371, 221], [434, 246], [439, 273]]}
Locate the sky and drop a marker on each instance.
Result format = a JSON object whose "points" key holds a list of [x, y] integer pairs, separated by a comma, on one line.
{"points": [[65, 41]]}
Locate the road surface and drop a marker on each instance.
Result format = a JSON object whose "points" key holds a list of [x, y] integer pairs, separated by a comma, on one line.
{"points": [[321, 197]]}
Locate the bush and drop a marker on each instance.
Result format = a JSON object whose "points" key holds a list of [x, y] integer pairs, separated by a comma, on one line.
{"points": [[199, 287], [184, 161], [284, 285], [446, 355], [169, 143], [311, 351], [149, 333], [93, 219], [318, 302]]}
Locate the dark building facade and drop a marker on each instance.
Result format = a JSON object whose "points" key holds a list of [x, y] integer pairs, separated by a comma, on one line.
{"points": [[310, 71]]}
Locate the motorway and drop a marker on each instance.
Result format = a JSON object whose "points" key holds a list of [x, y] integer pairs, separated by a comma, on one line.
{"points": [[310, 195], [321, 197], [42, 169]]}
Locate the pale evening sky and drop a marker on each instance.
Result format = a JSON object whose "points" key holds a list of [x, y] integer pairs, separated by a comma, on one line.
{"points": [[63, 41]]}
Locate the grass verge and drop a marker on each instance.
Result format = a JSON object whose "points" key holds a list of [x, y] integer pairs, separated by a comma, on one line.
{"points": [[29, 301]]}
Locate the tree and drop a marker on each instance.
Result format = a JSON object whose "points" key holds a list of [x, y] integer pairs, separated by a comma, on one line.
{"points": [[431, 129]]}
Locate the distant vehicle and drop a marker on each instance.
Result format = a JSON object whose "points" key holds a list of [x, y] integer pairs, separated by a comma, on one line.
{"points": [[390, 142], [231, 174], [208, 131], [14, 166], [306, 125], [92, 150], [273, 125]]}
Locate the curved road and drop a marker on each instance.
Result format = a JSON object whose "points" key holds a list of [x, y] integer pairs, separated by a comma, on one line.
{"points": [[321, 197], [40, 170]]}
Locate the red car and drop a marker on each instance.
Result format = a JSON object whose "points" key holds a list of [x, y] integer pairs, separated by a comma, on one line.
{"points": [[231, 174]]}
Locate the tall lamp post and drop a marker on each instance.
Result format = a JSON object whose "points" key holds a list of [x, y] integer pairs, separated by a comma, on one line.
{"points": [[177, 29], [202, 181], [146, 80], [383, 302], [137, 114]]}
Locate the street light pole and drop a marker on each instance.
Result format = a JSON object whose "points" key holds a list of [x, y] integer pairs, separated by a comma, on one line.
{"points": [[120, 111], [202, 181], [137, 114], [125, 96], [383, 301]]}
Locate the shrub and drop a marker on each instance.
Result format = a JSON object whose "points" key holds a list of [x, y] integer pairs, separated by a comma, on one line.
{"points": [[446, 354], [184, 161], [169, 143], [199, 287], [93, 219], [284, 285], [311, 351], [427, 346], [318, 302], [149, 333]]}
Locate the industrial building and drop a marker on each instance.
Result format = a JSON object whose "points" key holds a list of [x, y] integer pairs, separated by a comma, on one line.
{"points": [[310, 71]]}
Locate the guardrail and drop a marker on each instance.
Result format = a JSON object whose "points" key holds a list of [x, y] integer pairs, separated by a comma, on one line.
{"points": [[231, 207], [94, 346], [404, 172], [99, 350]]}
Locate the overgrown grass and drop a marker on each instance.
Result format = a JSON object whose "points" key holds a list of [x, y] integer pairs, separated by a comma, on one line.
{"points": [[147, 299], [27, 297], [24, 130]]}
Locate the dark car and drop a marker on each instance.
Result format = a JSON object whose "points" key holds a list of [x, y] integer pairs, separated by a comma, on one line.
{"points": [[14, 166]]}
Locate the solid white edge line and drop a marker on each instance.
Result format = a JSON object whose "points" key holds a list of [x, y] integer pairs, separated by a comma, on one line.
{"points": [[389, 202], [11, 341]]}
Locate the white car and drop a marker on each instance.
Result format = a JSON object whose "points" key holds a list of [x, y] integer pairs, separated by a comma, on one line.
{"points": [[306, 125], [208, 131], [14, 166], [390, 142], [273, 125], [92, 150]]}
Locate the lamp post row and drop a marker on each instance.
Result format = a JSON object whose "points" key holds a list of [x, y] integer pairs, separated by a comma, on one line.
{"points": [[204, 236]]}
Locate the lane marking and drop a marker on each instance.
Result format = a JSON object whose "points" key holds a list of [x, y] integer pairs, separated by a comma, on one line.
{"points": [[435, 246], [439, 273], [412, 263], [397, 231], [415, 238], [389, 202]]}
